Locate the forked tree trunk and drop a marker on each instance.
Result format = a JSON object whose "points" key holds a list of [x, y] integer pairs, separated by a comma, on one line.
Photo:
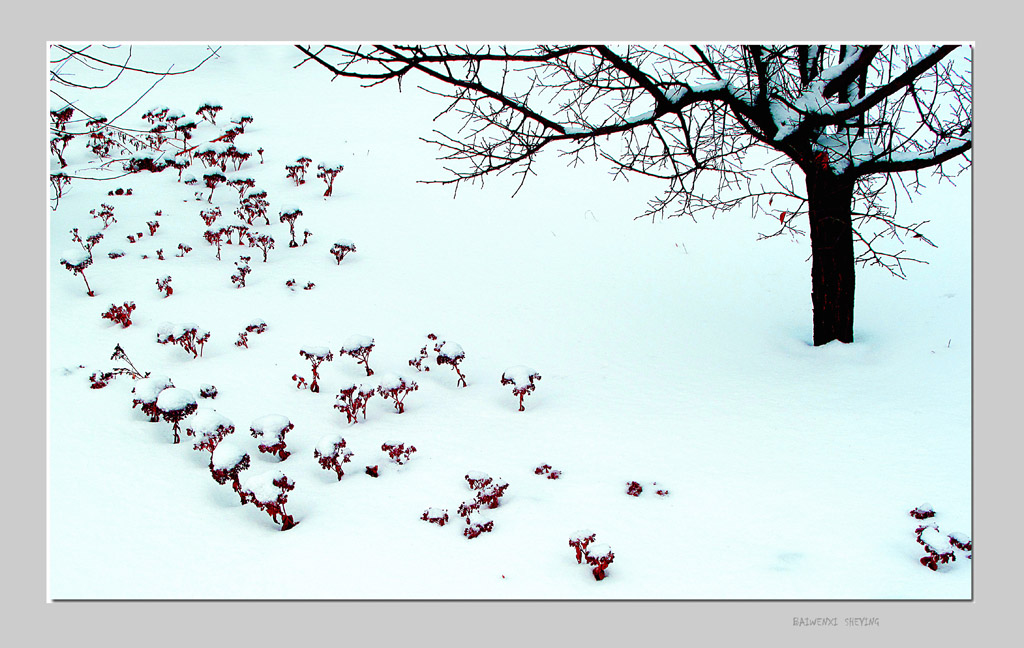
{"points": [[830, 201]]}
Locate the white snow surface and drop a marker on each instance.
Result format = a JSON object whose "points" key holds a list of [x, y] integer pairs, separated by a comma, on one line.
{"points": [[675, 352]]}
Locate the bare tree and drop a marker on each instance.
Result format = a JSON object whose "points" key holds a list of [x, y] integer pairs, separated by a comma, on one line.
{"points": [[716, 124]]}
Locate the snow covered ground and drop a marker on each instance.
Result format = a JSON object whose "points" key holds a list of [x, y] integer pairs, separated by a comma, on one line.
{"points": [[674, 354]]}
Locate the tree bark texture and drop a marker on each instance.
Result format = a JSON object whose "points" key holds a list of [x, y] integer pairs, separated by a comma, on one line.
{"points": [[832, 257]]}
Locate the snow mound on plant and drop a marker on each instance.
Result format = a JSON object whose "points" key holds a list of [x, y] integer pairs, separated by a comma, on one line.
{"points": [[207, 420], [146, 390], [262, 485], [270, 425], [519, 375], [356, 342], [175, 399], [227, 455]]}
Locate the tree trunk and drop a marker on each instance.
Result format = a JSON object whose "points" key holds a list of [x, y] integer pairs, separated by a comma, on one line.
{"points": [[832, 268]]}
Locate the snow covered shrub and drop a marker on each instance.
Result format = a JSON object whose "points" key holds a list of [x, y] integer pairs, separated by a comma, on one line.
{"points": [[174, 404], [242, 119], [61, 115], [226, 462], [306, 234], [316, 355], [272, 426], [396, 388], [207, 391], [146, 391], [76, 261], [159, 255], [929, 537], [269, 492], [184, 127], [373, 471], [435, 516], [263, 242], [446, 353], [100, 379], [179, 162], [923, 512], [58, 143], [208, 111], [634, 488], [209, 154], [236, 156], [183, 249], [342, 247], [522, 380], [115, 254], [188, 336], [210, 215], [359, 347], [252, 206], [209, 427], [163, 284], [297, 171], [211, 180], [153, 226], [477, 479], [156, 114], [327, 171], [599, 556], [105, 213], [289, 215], [145, 161], [398, 452], [545, 469], [256, 326], [331, 454], [488, 493], [120, 314], [215, 237], [120, 192], [243, 269], [474, 529], [579, 542], [352, 399], [260, 151]]}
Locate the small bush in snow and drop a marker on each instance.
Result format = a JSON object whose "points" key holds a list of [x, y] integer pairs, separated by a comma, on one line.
{"points": [[100, 379], [208, 111], [488, 493], [211, 180], [226, 462], [352, 399], [327, 172], [446, 353], [174, 404], [359, 347], [209, 427], [435, 516], [394, 387], [598, 556], [269, 493], [316, 355], [545, 469], [398, 452], [331, 454], [76, 261], [153, 225], [215, 237], [272, 426], [163, 284], [210, 215], [146, 391], [306, 234], [523, 381], [634, 488], [188, 336], [923, 512], [341, 248], [105, 213], [120, 314], [263, 242], [243, 270], [929, 537], [289, 215], [207, 391], [373, 471], [241, 185], [183, 249], [579, 542], [254, 205], [297, 171], [256, 326], [474, 529]]}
